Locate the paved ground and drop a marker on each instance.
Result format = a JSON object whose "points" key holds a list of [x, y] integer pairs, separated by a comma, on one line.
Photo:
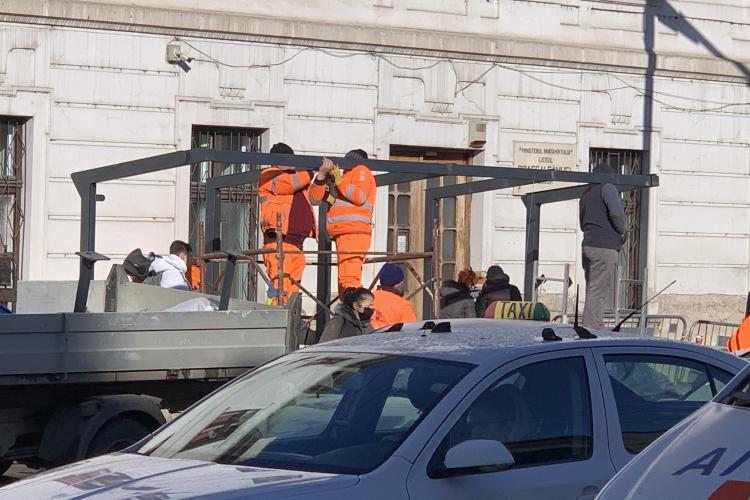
{"points": [[17, 472]]}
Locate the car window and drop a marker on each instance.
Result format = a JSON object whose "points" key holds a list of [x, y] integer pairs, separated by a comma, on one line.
{"points": [[540, 412], [720, 378], [398, 411], [653, 393], [323, 412], [740, 395]]}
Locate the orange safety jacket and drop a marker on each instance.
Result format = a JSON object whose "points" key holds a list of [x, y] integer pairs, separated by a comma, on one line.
{"points": [[276, 190], [195, 275], [740, 339], [390, 308], [351, 212]]}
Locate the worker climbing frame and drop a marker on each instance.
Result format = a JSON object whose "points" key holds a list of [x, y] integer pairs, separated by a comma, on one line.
{"points": [[484, 179]]}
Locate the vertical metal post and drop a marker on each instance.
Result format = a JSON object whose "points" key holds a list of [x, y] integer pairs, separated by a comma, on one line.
{"points": [[436, 248], [280, 293], [533, 214], [618, 285], [88, 259], [566, 279], [324, 270], [213, 232], [84, 281], [535, 292], [201, 252], [429, 216], [226, 286], [644, 298], [88, 239], [650, 19]]}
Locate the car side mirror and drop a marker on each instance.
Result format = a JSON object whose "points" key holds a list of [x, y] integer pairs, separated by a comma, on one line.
{"points": [[476, 456]]}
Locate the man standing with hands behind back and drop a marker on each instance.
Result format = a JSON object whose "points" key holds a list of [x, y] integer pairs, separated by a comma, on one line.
{"points": [[602, 219], [351, 194]]}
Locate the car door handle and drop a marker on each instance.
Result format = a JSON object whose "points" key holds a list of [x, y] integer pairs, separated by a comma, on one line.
{"points": [[589, 493]]}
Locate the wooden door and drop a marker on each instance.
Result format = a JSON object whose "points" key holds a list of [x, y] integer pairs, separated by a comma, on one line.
{"points": [[406, 212]]}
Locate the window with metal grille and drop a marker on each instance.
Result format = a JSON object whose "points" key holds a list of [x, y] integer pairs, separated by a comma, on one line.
{"points": [[12, 170], [399, 210], [239, 204], [448, 221], [626, 162], [401, 222]]}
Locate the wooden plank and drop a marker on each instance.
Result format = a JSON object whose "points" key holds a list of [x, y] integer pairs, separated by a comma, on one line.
{"points": [[7, 294]]}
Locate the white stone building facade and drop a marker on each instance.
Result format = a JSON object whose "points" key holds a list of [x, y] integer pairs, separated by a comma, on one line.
{"points": [[90, 81]]}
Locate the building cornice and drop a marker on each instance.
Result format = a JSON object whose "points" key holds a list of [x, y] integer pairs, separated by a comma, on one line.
{"points": [[93, 15]]}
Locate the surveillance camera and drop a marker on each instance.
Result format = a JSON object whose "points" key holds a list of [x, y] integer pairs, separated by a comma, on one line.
{"points": [[174, 53]]}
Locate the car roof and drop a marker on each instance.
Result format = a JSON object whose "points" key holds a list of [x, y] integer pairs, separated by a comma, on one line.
{"points": [[481, 341]]}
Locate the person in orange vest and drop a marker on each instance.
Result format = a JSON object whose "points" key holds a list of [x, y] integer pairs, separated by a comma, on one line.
{"points": [[740, 339], [349, 222], [389, 304], [195, 274], [284, 191]]}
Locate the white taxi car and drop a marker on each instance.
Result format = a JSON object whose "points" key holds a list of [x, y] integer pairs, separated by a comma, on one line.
{"points": [[461, 409], [706, 456]]}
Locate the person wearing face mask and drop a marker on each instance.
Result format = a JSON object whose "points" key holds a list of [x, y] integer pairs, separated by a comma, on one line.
{"points": [[352, 316]]}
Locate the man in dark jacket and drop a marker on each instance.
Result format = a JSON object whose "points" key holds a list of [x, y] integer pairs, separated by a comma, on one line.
{"points": [[456, 301], [602, 219], [496, 287]]}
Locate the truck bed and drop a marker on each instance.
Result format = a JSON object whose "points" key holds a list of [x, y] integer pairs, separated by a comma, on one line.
{"points": [[106, 347]]}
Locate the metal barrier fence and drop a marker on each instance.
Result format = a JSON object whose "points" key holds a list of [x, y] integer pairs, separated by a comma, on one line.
{"points": [[674, 327], [711, 333], [631, 325], [667, 326], [657, 325]]}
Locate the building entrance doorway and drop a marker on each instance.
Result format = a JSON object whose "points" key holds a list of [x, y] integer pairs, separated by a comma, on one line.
{"points": [[406, 205]]}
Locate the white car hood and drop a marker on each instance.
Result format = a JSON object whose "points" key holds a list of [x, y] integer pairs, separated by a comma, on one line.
{"points": [[705, 456], [137, 477]]}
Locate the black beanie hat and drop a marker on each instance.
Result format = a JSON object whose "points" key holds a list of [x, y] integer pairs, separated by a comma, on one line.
{"points": [[357, 154], [282, 148], [496, 273]]}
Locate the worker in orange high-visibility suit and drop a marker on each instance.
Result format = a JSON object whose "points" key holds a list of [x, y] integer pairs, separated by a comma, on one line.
{"points": [[195, 274], [740, 339], [349, 222], [389, 303], [283, 191]]}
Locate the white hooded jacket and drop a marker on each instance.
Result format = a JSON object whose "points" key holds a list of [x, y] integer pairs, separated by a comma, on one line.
{"points": [[172, 271]]}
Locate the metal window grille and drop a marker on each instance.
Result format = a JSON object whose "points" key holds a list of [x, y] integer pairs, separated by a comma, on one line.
{"points": [[239, 204], [12, 173]]}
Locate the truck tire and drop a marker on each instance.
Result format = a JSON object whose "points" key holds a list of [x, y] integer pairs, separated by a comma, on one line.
{"points": [[115, 435]]}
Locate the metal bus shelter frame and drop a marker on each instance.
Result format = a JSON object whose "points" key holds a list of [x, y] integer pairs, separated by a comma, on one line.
{"points": [[393, 172]]}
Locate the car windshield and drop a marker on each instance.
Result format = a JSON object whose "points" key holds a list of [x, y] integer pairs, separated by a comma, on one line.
{"points": [[322, 412]]}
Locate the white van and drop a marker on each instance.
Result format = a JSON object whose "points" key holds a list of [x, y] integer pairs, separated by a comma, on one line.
{"points": [[705, 456]]}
